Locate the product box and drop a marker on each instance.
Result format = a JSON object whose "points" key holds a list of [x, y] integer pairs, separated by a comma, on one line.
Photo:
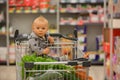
{"points": [[117, 6], [116, 23], [3, 53]]}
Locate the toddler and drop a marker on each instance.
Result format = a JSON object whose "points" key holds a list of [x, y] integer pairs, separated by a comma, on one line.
{"points": [[39, 39]]}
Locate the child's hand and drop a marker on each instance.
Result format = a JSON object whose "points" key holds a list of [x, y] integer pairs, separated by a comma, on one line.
{"points": [[51, 39], [46, 51]]}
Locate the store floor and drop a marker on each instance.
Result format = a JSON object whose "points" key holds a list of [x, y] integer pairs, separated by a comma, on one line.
{"points": [[9, 72]]}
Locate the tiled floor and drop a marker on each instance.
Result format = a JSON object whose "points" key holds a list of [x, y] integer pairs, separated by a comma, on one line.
{"points": [[97, 72], [9, 73]]}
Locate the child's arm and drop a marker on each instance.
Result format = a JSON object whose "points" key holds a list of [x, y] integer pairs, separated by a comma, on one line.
{"points": [[51, 39], [33, 44]]}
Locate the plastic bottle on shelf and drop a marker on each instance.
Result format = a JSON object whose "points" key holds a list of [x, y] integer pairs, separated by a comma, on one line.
{"points": [[101, 17], [12, 53], [11, 31], [1, 16], [100, 9], [12, 2], [3, 55], [52, 28], [52, 8], [93, 1], [81, 1], [19, 2], [94, 18], [63, 1], [28, 2], [73, 1], [44, 5], [80, 21], [35, 3], [3, 29], [89, 8]]}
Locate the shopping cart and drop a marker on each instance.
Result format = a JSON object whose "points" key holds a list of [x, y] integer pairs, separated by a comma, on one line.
{"points": [[69, 67]]}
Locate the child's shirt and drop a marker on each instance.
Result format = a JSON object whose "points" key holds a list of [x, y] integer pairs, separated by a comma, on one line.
{"points": [[37, 44]]}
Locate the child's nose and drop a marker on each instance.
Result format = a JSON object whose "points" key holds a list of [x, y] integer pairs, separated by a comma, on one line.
{"points": [[40, 29]]}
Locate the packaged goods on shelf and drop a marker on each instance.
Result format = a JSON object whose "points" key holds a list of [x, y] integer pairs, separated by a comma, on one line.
{"points": [[1, 16], [12, 2], [44, 6], [82, 39], [3, 54], [2, 29], [31, 6], [93, 1], [63, 1], [116, 23], [72, 1], [116, 57], [82, 1], [94, 18], [97, 57], [99, 43], [12, 55], [52, 28], [102, 18]]}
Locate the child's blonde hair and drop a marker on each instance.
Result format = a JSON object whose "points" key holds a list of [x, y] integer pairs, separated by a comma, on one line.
{"points": [[40, 20]]}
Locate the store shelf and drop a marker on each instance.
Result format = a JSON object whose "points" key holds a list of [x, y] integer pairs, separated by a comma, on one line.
{"points": [[2, 23], [12, 63], [115, 16], [95, 24], [75, 12], [93, 3], [4, 33], [3, 63], [30, 11], [90, 24], [85, 13]]}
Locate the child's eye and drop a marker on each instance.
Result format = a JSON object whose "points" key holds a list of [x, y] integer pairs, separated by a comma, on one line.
{"points": [[43, 28], [38, 28]]}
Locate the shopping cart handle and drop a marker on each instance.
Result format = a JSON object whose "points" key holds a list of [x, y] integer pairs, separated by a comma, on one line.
{"points": [[69, 38], [22, 37], [56, 35], [81, 59], [29, 65], [62, 36], [86, 64], [16, 34], [72, 63]]}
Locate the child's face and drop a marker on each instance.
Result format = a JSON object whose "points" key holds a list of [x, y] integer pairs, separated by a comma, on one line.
{"points": [[40, 29]]}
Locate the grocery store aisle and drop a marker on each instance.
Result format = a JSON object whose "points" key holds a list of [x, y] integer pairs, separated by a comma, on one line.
{"points": [[9, 73]]}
